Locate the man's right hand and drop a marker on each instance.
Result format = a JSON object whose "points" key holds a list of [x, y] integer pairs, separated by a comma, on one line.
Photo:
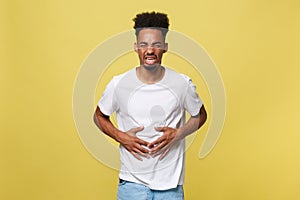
{"points": [[133, 144]]}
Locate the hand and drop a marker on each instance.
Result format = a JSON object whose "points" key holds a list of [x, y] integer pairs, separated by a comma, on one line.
{"points": [[164, 143], [133, 144]]}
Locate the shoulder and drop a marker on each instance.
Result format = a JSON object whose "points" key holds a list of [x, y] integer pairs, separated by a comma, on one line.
{"points": [[117, 78], [181, 78]]}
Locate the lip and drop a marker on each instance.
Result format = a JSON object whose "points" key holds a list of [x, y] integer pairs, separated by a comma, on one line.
{"points": [[151, 57], [150, 60]]}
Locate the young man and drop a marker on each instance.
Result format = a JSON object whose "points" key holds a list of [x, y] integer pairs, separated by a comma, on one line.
{"points": [[150, 103]]}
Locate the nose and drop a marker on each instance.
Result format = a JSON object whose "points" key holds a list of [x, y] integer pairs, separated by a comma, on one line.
{"points": [[150, 49]]}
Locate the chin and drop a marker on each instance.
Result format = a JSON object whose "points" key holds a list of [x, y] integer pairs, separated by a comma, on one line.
{"points": [[151, 67]]}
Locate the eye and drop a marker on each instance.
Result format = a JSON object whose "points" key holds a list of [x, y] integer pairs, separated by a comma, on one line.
{"points": [[143, 45], [157, 46]]}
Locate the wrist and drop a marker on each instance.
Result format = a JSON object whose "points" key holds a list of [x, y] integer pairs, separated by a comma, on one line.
{"points": [[179, 134], [119, 135]]}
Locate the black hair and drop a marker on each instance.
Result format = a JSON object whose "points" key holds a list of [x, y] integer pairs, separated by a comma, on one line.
{"points": [[153, 19]]}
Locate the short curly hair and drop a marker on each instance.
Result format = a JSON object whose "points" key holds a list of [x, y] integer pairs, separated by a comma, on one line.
{"points": [[153, 19]]}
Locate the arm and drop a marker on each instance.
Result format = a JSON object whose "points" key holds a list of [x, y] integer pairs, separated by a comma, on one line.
{"points": [[193, 124], [127, 139], [170, 136]]}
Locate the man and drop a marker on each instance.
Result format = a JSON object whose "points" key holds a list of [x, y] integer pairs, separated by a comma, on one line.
{"points": [[150, 103]]}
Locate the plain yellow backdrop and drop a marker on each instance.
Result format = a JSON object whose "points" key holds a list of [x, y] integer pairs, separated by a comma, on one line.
{"points": [[255, 45]]}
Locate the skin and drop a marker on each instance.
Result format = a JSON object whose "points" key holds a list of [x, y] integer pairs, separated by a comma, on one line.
{"points": [[150, 45], [153, 38]]}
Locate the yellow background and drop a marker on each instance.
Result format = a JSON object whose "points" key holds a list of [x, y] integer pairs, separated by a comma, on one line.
{"points": [[255, 45]]}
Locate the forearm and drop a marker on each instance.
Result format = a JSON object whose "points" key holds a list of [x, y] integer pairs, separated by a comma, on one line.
{"points": [[128, 139], [105, 125], [193, 124]]}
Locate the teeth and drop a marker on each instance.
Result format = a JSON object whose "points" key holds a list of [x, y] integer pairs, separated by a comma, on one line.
{"points": [[150, 61]]}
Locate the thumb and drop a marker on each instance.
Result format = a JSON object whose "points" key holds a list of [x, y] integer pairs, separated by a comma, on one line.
{"points": [[137, 129], [160, 128]]}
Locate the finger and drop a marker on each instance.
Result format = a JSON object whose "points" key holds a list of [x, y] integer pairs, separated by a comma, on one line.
{"points": [[141, 142], [158, 147], [160, 128], [136, 129], [156, 142], [158, 152], [146, 155], [136, 156], [163, 155], [142, 149]]}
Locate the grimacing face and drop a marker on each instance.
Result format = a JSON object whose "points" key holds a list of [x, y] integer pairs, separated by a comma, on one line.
{"points": [[150, 47]]}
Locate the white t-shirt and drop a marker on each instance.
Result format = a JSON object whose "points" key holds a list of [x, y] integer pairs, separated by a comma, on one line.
{"points": [[151, 105]]}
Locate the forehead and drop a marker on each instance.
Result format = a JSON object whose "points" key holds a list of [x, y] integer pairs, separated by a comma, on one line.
{"points": [[149, 34]]}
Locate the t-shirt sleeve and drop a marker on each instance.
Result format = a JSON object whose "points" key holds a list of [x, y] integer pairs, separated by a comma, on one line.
{"points": [[107, 102], [192, 102]]}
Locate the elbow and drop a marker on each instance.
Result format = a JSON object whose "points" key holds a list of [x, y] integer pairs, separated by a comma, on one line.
{"points": [[100, 118], [203, 116], [95, 119]]}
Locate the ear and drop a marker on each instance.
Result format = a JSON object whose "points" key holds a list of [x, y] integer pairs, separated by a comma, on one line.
{"points": [[166, 47], [135, 47]]}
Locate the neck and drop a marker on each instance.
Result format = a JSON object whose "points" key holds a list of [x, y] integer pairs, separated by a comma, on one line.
{"points": [[150, 76]]}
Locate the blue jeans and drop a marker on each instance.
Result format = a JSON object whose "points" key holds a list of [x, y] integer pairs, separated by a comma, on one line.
{"points": [[134, 191]]}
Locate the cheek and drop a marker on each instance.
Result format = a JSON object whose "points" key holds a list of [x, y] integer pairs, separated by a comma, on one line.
{"points": [[140, 53], [159, 54]]}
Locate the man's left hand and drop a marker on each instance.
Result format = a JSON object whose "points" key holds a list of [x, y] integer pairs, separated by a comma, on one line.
{"points": [[163, 144]]}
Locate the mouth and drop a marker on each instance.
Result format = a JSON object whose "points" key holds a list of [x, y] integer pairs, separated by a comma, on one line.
{"points": [[150, 60]]}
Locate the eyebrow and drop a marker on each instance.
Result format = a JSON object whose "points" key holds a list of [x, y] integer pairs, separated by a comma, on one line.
{"points": [[152, 43]]}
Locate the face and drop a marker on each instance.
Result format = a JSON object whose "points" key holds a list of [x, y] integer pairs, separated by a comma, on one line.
{"points": [[150, 47]]}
